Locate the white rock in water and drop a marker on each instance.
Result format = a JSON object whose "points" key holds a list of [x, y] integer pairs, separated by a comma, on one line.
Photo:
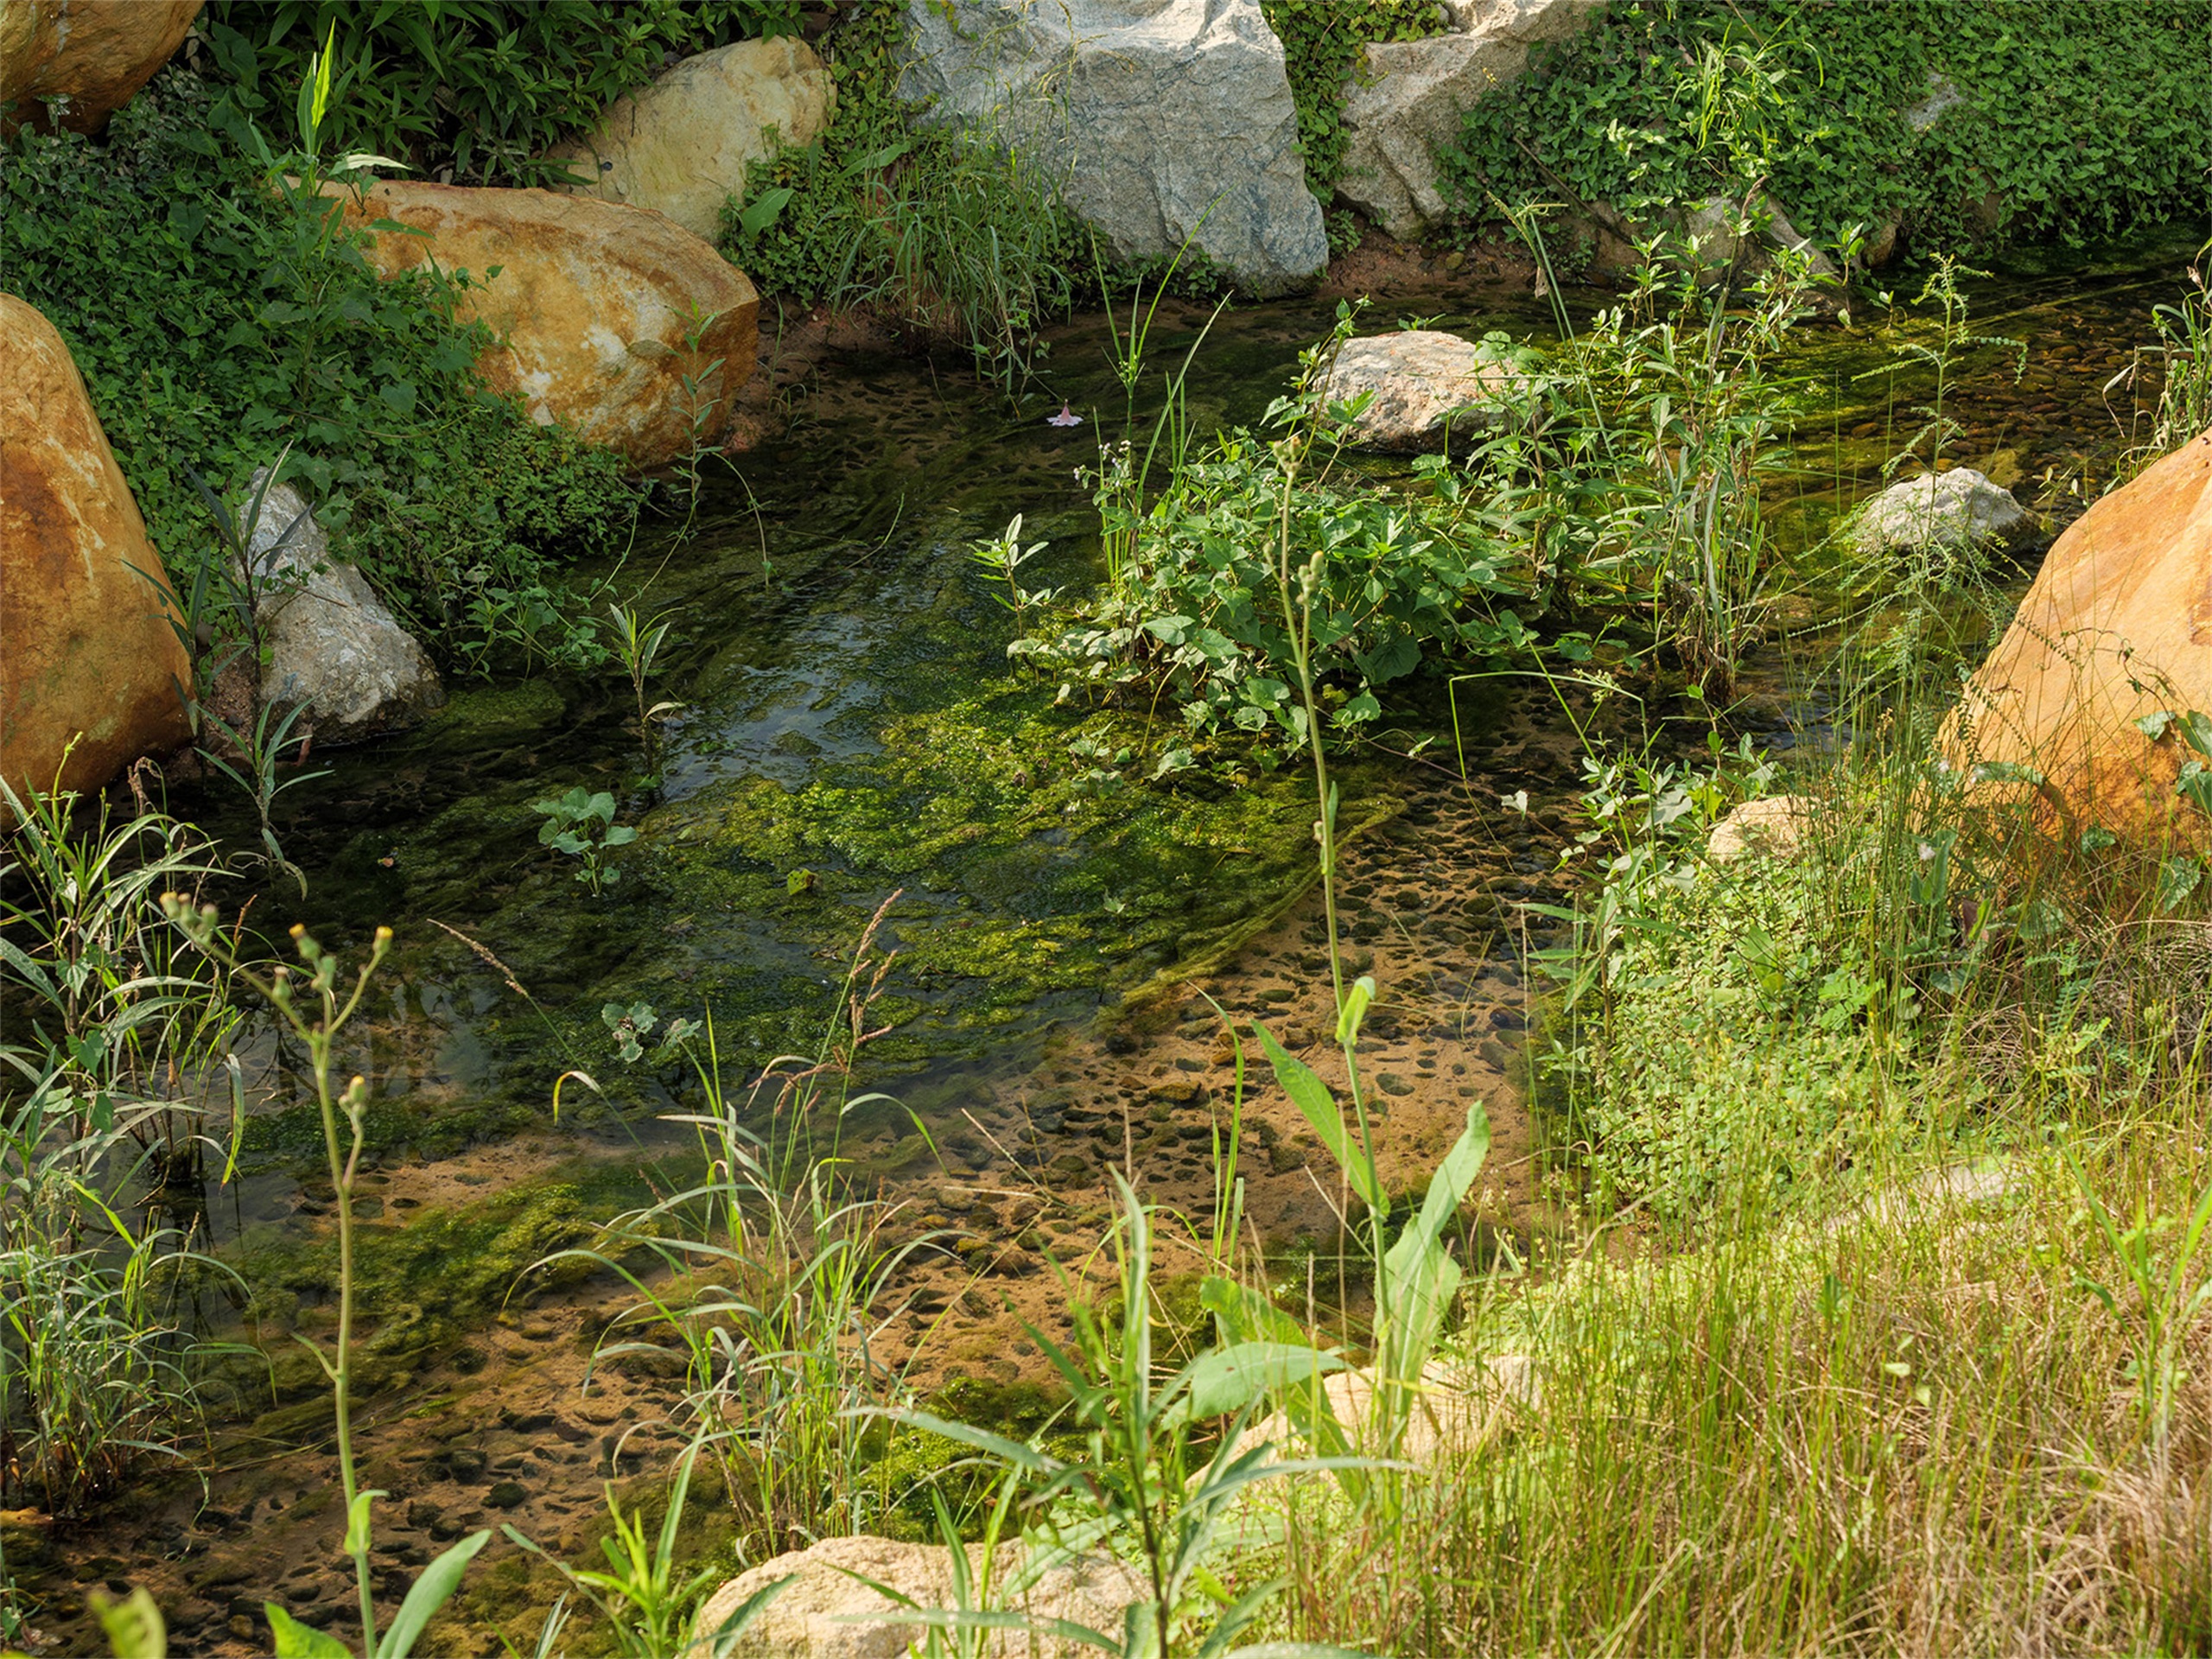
{"points": [[826, 1612], [1949, 511], [1425, 386], [332, 644], [1161, 120]]}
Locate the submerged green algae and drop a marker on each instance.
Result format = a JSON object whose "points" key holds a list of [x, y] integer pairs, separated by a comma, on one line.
{"points": [[1027, 870]]}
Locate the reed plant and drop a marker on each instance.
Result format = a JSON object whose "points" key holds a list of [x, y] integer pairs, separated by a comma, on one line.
{"points": [[768, 1279], [116, 1085], [2183, 358]]}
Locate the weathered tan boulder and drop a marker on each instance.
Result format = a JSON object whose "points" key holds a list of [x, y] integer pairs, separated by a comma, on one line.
{"points": [[596, 303], [1423, 388], [828, 1613], [2116, 629], [92, 54], [681, 144], [1461, 1409], [86, 652], [1773, 827]]}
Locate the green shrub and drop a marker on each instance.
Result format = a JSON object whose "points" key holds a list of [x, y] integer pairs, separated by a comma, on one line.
{"points": [[215, 322], [1734, 1050], [470, 90], [2081, 118], [1250, 538]]}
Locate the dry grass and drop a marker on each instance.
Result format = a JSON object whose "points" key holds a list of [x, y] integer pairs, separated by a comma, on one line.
{"points": [[1911, 1431]]}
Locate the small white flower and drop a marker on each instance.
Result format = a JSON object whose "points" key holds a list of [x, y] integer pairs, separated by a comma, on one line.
{"points": [[1927, 851]]}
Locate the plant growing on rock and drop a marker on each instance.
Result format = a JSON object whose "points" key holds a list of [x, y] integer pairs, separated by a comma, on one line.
{"points": [[1192, 608]]}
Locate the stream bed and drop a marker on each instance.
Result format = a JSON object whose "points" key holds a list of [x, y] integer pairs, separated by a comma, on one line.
{"points": [[850, 730]]}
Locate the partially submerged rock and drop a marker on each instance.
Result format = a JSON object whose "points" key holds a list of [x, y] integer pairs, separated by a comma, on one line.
{"points": [[332, 646], [86, 651], [1424, 388], [72, 63], [1772, 828], [602, 310], [2069, 711], [1948, 512], [827, 1613], [1458, 1409], [1410, 97], [681, 145], [1166, 121]]}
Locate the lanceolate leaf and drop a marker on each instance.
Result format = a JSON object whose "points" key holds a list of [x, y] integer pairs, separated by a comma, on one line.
{"points": [[427, 1594], [1312, 1097]]}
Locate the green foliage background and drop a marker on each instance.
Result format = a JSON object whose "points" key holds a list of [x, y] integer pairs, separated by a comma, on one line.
{"points": [[212, 331], [2087, 117], [472, 90]]}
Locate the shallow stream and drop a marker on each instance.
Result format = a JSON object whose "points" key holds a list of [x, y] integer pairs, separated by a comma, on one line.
{"points": [[850, 729]]}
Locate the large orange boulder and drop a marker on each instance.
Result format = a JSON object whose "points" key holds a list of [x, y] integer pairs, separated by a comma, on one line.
{"points": [[86, 57], [604, 310], [2116, 629], [86, 650]]}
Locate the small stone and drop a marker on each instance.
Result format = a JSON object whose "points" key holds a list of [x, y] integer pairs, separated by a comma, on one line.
{"points": [[1424, 388], [466, 1463], [1774, 826], [1949, 511], [423, 1513], [505, 1495]]}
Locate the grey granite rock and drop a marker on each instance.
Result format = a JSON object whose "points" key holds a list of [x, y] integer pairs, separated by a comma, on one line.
{"points": [[333, 644], [1410, 97], [1948, 511], [1162, 120]]}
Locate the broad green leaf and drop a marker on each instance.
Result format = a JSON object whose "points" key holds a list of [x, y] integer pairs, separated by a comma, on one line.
{"points": [[2178, 877], [1419, 1271], [356, 1523], [1243, 1315], [427, 1594], [1229, 1379], [2197, 732], [724, 1636], [763, 212], [1312, 1097], [134, 1626], [1354, 1013], [298, 1641]]}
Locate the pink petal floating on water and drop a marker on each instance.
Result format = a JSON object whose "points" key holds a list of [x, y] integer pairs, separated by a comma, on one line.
{"points": [[1066, 416]]}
